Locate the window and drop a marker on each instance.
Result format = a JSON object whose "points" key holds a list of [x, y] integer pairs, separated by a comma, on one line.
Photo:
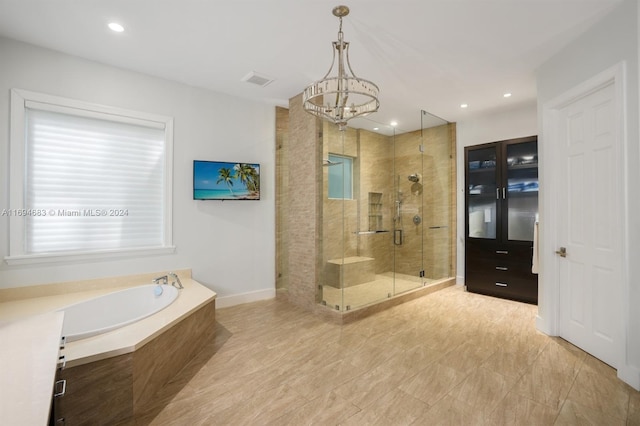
{"points": [[340, 177], [87, 181]]}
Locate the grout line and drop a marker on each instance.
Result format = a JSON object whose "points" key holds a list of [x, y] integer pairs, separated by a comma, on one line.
{"points": [[573, 382]]}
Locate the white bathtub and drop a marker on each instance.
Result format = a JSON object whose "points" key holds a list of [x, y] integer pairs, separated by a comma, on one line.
{"points": [[114, 310]]}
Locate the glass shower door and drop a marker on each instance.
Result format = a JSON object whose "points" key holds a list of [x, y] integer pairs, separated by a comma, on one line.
{"points": [[356, 218], [438, 173], [387, 211], [408, 247]]}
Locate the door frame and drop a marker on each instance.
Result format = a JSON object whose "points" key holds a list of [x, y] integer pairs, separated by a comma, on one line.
{"points": [[548, 319]]}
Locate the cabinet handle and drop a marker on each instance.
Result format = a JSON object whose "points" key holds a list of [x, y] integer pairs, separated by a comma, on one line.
{"points": [[63, 342], [62, 362], [504, 193], [59, 388], [497, 193], [502, 268], [501, 284], [502, 252]]}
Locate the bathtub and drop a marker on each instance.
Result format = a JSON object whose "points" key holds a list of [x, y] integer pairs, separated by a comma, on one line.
{"points": [[114, 310]]}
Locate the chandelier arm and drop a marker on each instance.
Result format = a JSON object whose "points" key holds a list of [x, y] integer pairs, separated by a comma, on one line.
{"points": [[340, 47], [353, 74], [333, 61], [340, 74]]}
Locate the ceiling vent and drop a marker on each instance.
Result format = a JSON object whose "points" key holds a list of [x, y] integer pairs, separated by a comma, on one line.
{"points": [[259, 79]]}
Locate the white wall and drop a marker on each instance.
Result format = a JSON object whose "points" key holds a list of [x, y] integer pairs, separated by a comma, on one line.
{"points": [[519, 121], [230, 246], [611, 41]]}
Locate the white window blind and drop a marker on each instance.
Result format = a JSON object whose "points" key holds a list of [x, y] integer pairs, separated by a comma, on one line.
{"points": [[87, 181], [92, 184]]}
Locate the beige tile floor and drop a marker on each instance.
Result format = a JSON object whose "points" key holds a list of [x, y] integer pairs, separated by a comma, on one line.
{"points": [[449, 358]]}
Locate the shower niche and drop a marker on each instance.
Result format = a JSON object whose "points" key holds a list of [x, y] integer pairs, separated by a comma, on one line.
{"points": [[375, 212]]}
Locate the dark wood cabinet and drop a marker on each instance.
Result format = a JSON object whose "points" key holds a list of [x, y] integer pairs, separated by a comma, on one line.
{"points": [[501, 205]]}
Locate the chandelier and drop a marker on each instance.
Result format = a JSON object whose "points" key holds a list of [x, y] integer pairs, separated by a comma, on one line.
{"points": [[344, 96]]}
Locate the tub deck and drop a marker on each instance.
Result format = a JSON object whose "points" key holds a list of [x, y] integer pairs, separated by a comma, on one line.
{"points": [[117, 342], [112, 377]]}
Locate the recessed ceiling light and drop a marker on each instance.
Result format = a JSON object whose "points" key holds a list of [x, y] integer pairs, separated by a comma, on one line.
{"points": [[376, 128], [114, 26], [507, 95], [463, 105], [394, 123]]}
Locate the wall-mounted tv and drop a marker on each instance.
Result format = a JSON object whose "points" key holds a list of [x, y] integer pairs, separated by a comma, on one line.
{"points": [[218, 180]]}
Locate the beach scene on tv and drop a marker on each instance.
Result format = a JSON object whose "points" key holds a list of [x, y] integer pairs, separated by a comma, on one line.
{"points": [[214, 180]]}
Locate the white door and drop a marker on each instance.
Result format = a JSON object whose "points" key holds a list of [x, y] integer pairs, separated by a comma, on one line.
{"points": [[590, 225]]}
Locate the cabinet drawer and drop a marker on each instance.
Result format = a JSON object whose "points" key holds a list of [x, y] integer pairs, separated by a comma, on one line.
{"points": [[511, 288], [515, 269], [511, 252], [502, 273]]}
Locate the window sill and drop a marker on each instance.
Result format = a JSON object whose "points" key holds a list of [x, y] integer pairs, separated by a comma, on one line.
{"points": [[86, 256]]}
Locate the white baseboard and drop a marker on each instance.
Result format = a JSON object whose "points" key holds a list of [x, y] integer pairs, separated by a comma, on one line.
{"points": [[630, 375], [542, 326], [239, 299]]}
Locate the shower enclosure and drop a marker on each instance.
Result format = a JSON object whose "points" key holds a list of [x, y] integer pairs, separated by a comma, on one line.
{"points": [[387, 212]]}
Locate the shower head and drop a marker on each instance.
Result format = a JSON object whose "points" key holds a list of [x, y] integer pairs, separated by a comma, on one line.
{"points": [[414, 177]]}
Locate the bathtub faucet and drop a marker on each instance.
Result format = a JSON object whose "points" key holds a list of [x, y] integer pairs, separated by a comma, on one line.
{"points": [[175, 280], [161, 280]]}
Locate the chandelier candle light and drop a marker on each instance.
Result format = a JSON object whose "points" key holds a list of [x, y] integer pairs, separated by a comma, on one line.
{"points": [[345, 96]]}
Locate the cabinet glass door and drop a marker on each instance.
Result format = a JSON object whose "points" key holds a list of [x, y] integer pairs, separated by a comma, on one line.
{"points": [[482, 187], [522, 190]]}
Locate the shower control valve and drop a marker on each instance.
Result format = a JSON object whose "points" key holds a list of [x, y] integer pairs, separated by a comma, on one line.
{"points": [[417, 219]]}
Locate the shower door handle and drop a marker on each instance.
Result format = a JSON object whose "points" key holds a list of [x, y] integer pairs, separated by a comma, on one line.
{"points": [[397, 237]]}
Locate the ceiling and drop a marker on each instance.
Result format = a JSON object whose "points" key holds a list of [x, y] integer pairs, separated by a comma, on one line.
{"points": [[431, 55]]}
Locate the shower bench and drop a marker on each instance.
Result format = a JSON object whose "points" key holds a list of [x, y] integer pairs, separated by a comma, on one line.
{"points": [[350, 271]]}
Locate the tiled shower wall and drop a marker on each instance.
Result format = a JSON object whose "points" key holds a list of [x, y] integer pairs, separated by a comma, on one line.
{"points": [[301, 217], [282, 195]]}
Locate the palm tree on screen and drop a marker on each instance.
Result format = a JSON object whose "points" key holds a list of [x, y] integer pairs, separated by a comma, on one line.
{"points": [[248, 175], [226, 176]]}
